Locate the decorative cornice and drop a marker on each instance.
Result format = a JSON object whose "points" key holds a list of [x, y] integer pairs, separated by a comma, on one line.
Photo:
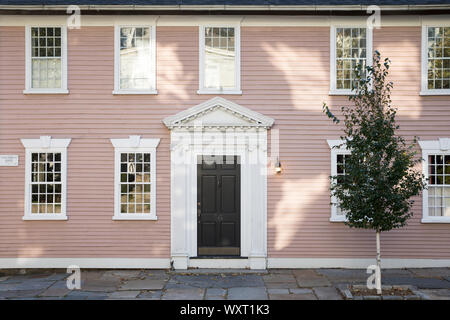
{"points": [[135, 142], [45, 142], [186, 118], [442, 144]]}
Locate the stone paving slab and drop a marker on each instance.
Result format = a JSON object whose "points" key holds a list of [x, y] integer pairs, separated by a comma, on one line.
{"points": [[150, 295], [286, 284], [147, 284], [183, 294], [249, 293], [124, 295], [327, 293]]}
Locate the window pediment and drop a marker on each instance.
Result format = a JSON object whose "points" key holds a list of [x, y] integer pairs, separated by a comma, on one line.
{"points": [[217, 113]]}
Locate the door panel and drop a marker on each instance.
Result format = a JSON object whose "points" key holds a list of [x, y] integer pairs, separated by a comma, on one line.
{"points": [[218, 209]]}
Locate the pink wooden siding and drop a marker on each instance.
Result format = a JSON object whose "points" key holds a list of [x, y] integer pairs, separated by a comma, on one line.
{"points": [[285, 75]]}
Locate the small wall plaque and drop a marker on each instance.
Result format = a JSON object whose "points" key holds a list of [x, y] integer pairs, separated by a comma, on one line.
{"points": [[9, 160]]}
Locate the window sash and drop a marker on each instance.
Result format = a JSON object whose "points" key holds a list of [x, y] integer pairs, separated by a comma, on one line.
{"points": [[46, 55], [219, 59], [437, 57], [135, 59], [343, 59]]}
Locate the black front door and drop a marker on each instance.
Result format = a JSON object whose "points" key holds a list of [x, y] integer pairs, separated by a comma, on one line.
{"points": [[218, 206]]}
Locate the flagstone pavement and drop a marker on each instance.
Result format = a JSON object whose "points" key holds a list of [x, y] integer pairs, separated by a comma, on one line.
{"points": [[274, 284]]}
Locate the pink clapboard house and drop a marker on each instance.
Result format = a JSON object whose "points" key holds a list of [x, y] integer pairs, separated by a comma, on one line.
{"points": [[191, 133]]}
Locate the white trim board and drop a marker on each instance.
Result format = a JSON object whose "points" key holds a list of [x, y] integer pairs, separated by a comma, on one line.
{"points": [[272, 263], [357, 263], [100, 263], [243, 20]]}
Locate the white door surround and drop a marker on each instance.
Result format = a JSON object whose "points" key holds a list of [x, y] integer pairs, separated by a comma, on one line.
{"points": [[218, 127]]}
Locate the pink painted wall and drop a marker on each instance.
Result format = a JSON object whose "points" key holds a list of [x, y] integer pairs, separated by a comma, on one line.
{"points": [[285, 75]]}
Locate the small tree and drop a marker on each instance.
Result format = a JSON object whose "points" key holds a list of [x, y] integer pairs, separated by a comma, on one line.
{"points": [[379, 181]]}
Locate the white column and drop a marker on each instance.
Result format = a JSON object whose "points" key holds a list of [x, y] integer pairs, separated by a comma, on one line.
{"points": [[178, 195]]}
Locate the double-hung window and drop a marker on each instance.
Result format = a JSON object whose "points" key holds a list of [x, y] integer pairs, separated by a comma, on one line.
{"points": [[46, 59], [45, 178], [135, 60], [436, 168], [339, 154], [135, 178], [435, 60], [219, 60], [350, 46]]}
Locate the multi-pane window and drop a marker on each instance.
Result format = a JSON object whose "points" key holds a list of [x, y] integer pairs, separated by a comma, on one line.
{"points": [[351, 50], [135, 59], [46, 184], [46, 63], [135, 184], [135, 178], [438, 62], [220, 61], [439, 185], [45, 178], [340, 173]]}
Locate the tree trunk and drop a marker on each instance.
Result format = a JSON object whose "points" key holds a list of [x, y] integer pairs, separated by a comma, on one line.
{"points": [[378, 271]]}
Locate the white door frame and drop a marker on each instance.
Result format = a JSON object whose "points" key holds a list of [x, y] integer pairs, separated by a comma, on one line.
{"points": [[253, 156]]}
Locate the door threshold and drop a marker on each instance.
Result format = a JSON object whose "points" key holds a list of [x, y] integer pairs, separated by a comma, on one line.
{"points": [[218, 257]]}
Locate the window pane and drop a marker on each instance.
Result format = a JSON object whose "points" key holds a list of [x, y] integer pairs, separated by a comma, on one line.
{"points": [[350, 51], [220, 58], [135, 58], [438, 57]]}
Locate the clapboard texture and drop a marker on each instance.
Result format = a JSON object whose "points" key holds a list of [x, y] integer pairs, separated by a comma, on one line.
{"points": [[285, 75]]}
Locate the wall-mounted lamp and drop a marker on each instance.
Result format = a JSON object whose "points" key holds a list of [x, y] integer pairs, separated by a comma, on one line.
{"points": [[278, 168]]}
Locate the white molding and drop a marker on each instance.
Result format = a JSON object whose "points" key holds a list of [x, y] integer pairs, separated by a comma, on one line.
{"points": [[220, 263], [430, 147], [337, 147], [355, 263], [164, 263], [28, 68], [237, 58], [100, 263], [204, 91], [45, 144], [424, 60], [250, 144], [245, 20], [343, 22], [180, 118], [152, 52], [135, 144]]}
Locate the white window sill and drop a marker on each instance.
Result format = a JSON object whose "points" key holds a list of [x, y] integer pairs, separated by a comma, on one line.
{"points": [[135, 217], [436, 220], [37, 217], [117, 92], [45, 91], [341, 93], [338, 219], [438, 92], [219, 92]]}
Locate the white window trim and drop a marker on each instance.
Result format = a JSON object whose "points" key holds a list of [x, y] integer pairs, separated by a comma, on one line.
{"points": [[333, 144], [237, 48], [135, 144], [45, 144], [424, 61], [28, 68], [117, 89], [369, 57], [441, 146]]}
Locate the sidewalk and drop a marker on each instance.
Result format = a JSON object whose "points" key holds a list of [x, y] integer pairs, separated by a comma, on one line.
{"points": [[286, 284]]}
